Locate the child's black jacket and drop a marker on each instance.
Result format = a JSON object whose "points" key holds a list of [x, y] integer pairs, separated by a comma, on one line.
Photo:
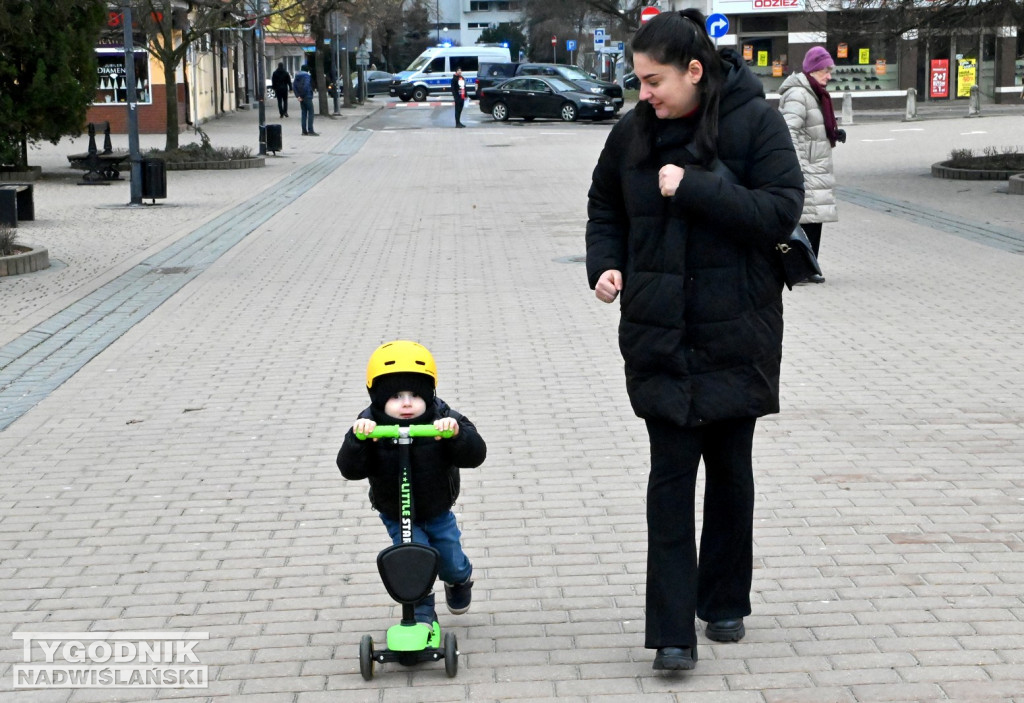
{"points": [[435, 465]]}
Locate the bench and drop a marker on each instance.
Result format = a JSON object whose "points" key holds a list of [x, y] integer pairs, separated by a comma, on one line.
{"points": [[16, 203], [99, 166]]}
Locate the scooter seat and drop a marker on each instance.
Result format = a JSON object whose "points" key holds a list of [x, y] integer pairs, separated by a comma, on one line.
{"points": [[408, 571]]}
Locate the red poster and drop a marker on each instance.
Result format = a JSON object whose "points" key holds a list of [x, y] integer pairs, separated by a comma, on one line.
{"points": [[939, 84]]}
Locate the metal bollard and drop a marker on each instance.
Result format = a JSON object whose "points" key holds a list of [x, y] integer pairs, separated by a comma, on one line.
{"points": [[911, 105], [974, 103], [847, 108]]}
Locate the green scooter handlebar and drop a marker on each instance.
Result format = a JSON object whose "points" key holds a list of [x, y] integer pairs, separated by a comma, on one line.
{"points": [[395, 431]]}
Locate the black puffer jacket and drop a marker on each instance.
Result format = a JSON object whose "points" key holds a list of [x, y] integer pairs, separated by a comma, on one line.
{"points": [[435, 465], [701, 305]]}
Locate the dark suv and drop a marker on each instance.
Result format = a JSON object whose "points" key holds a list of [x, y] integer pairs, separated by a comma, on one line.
{"points": [[492, 74]]}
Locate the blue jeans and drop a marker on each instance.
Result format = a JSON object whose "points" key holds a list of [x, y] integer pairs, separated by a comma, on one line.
{"points": [[306, 108], [441, 533]]}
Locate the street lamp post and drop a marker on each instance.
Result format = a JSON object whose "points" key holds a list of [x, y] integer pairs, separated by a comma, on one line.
{"points": [[437, 19], [261, 81], [135, 157]]}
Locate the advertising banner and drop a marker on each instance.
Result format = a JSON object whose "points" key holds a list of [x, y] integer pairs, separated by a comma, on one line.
{"points": [[966, 76], [938, 84]]}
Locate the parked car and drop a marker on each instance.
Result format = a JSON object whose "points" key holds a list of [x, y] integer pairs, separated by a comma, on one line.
{"points": [[377, 82], [630, 81], [578, 76], [543, 96], [432, 71]]}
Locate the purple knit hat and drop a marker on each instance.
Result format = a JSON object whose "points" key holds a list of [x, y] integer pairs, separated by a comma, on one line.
{"points": [[816, 59]]}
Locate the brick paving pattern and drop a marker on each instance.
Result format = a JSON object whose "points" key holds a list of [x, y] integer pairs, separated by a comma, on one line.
{"points": [[183, 478]]}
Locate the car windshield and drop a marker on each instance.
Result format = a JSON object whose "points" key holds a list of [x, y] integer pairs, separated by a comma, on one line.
{"points": [[561, 84], [421, 62], [573, 73]]}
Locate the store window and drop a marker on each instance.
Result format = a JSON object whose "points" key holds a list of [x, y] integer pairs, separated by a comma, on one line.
{"points": [[863, 62], [112, 76], [763, 41]]}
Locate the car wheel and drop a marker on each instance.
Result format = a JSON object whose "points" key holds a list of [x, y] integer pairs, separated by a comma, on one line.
{"points": [[419, 94], [499, 112], [404, 98], [568, 112]]}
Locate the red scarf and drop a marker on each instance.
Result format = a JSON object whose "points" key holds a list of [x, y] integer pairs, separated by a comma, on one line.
{"points": [[825, 100]]}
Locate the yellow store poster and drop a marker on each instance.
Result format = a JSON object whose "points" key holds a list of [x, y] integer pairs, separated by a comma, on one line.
{"points": [[966, 76]]}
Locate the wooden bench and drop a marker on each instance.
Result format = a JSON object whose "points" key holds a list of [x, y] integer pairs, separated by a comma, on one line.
{"points": [[16, 203], [99, 166]]}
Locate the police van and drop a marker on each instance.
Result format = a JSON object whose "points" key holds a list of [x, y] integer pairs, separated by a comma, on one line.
{"points": [[432, 70]]}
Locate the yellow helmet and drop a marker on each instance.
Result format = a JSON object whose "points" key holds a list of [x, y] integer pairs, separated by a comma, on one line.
{"points": [[400, 356]]}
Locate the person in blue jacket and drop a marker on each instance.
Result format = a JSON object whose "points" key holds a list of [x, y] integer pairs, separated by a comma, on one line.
{"points": [[302, 85]]}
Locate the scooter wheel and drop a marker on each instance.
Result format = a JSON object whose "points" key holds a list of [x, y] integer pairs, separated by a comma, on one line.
{"points": [[451, 654], [366, 657]]}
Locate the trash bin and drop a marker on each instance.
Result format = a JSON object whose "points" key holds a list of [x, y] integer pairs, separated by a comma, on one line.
{"points": [[154, 178], [273, 137]]}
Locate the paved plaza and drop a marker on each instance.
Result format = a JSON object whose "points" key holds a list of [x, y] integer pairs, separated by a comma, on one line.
{"points": [[174, 389]]}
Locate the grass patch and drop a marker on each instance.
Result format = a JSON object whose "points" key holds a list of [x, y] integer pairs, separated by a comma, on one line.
{"points": [[202, 151], [991, 159]]}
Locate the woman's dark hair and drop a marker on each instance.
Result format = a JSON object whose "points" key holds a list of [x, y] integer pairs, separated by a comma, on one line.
{"points": [[676, 39]]}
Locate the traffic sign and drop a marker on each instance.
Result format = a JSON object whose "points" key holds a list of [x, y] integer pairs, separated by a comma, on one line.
{"points": [[554, 40], [570, 45], [717, 25], [599, 38], [648, 13]]}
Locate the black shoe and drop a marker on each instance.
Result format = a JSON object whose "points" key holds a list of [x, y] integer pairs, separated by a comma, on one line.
{"points": [[725, 630], [460, 125], [458, 596], [314, 134], [675, 659], [305, 134]]}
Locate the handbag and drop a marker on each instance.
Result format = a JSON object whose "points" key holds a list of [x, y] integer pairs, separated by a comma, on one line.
{"points": [[799, 263]]}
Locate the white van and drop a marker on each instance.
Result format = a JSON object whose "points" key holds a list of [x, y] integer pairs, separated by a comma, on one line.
{"points": [[432, 70]]}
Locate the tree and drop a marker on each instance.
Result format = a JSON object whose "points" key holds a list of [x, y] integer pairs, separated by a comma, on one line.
{"points": [[47, 71], [170, 33], [507, 34]]}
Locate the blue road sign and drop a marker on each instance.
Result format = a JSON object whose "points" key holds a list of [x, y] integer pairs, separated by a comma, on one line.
{"points": [[570, 45], [717, 25]]}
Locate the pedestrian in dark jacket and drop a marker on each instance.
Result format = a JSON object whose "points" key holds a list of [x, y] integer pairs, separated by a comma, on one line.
{"points": [[458, 88], [281, 82], [693, 254], [303, 87], [401, 377]]}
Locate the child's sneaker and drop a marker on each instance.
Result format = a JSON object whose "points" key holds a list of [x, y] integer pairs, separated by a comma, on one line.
{"points": [[458, 596]]}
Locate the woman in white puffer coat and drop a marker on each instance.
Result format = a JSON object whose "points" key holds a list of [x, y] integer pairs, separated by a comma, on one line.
{"points": [[807, 107]]}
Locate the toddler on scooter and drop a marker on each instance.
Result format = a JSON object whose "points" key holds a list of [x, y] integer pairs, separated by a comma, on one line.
{"points": [[401, 377]]}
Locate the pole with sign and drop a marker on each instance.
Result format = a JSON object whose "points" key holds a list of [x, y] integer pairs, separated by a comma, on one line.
{"points": [[554, 49], [717, 26], [570, 46]]}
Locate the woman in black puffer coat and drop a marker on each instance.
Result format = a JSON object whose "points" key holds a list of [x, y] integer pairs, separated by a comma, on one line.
{"points": [[693, 253]]}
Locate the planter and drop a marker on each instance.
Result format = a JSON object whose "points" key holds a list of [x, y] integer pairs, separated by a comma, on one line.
{"points": [[254, 162], [28, 260], [942, 170], [1015, 185], [31, 174]]}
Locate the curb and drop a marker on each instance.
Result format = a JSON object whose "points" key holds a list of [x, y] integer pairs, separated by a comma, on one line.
{"points": [[941, 170], [30, 260], [255, 162]]}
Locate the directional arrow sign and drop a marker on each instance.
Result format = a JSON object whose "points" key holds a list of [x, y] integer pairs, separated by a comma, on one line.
{"points": [[717, 25]]}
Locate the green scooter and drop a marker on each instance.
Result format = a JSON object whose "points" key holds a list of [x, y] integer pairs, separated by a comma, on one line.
{"points": [[408, 570]]}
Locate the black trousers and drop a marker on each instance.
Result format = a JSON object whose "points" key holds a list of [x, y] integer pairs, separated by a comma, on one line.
{"points": [[282, 103], [679, 585], [813, 231], [458, 110]]}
